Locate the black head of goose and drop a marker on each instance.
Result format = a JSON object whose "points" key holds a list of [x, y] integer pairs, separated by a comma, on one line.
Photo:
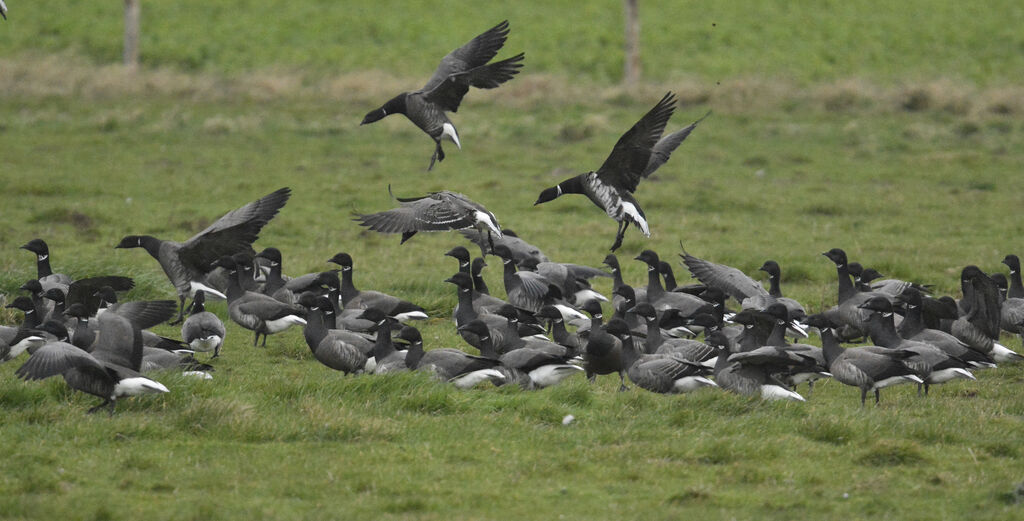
{"points": [[459, 70], [187, 264], [354, 298], [25, 305], [461, 254], [867, 369], [202, 330], [1002, 283], [559, 333], [269, 269], [1016, 287], [43, 271], [259, 313]]}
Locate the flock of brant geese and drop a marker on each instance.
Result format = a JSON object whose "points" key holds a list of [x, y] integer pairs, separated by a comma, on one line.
{"points": [[549, 327]]}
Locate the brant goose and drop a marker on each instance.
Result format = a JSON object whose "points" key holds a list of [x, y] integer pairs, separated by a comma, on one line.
{"points": [[525, 289], [255, 311], [45, 274], [611, 186], [187, 264], [434, 212], [483, 302], [110, 371], [521, 250], [202, 330], [686, 304], [461, 69], [353, 298], [340, 350], [866, 369], [912, 328], [531, 367], [930, 363]]}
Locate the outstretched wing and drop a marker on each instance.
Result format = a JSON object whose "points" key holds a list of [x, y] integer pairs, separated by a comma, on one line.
{"points": [[629, 158], [732, 281], [233, 233], [666, 145], [475, 53], [449, 92], [54, 358], [428, 214]]}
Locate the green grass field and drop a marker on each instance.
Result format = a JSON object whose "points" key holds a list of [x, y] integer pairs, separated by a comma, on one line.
{"points": [[896, 134]]}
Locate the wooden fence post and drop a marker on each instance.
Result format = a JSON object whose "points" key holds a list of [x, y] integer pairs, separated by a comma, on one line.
{"points": [[131, 33], [631, 74]]}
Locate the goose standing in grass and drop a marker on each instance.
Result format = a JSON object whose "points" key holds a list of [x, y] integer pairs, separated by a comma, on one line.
{"points": [[931, 364], [687, 305], [525, 289], [434, 212], [451, 365], [203, 331], [636, 155], [869, 370], [257, 312], [461, 69], [978, 325], [340, 350], [912, 328], [603, 351], [848, 311], [354, 298], [751, 378], [188, 263], [795, 309]]}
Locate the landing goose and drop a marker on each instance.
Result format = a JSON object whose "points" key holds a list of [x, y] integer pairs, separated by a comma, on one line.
{"points": [[521, 250], [611, 186], [434, 212], [461, 69], [187, 264]]}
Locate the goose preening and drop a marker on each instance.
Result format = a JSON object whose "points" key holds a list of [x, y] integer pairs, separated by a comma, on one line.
{"points": [[636, 155], [188, 263], [434, 212], [461, 69], [203, 331]]}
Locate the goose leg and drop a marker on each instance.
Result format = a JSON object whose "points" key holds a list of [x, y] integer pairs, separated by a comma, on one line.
{"points": [[438, 156], [620, 235], [100, 406], [876, 396], [181, 311], [256, 339], [863, 396], [622, 382], [264, 340]]}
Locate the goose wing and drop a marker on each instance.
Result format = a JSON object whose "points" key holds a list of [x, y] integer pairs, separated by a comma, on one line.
{"points": [[54, 358], [475, 53], [666, 145], [732, 281], [629, 158], [233, 233]]}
